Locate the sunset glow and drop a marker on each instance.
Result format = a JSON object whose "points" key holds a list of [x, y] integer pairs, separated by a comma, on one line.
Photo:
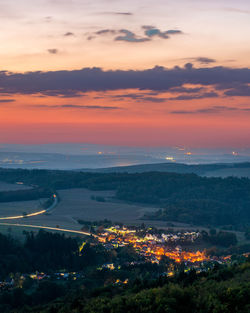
{"points": [[123, 73]]}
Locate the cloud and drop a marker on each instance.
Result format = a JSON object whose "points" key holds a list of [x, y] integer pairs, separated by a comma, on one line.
{"points": [[211, 110], [117, 13], [52, 51], [201, 60], [126, 35], [186, 90], [196, 96], [69, 34], [235, 10], [140, 97], [74, 106], [95, 79], [106, 31], [151, 31], [130, 37], [239, 91], [204, 60], [7, 100], [123, 13], [63, 93]]}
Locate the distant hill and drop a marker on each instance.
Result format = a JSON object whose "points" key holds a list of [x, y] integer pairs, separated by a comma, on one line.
{"points": [[216, 170]]}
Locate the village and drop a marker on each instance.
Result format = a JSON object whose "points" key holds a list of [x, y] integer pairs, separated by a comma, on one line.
{"points": [[153, 246]]}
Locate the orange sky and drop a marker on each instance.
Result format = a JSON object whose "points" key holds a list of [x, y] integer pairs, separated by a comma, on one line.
{"points": [[117, 35]]}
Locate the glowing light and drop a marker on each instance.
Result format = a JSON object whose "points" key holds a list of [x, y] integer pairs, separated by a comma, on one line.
{"points": [[170, 158]]}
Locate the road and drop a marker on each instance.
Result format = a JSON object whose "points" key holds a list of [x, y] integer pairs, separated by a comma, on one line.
{"points": [[33, 214], [51, 228]]}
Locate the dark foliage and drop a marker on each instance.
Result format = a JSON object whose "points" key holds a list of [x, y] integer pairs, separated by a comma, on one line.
{"points": [[219, 290]]}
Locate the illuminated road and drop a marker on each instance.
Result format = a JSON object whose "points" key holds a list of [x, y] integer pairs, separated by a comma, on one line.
{"points": [[32, 214], [50, 228]]}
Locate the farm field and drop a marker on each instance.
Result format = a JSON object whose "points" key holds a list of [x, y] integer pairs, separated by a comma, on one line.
{"points": [[12, 187], [18, 208], [76, 204]]}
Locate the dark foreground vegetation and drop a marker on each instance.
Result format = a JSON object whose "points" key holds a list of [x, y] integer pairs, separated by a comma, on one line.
{"points": [[221, 290], [184, 198], [46, 252], [135, 286]]}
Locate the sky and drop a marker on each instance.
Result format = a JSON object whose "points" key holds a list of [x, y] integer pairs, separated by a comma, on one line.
{"points": [[136, 73]]}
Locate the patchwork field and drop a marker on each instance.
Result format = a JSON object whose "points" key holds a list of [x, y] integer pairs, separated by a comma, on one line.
{"points": [[18, 208], [12, 187]]}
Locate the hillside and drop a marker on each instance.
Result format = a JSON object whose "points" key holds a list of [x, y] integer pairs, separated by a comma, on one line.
{"points": [[211, 170]]}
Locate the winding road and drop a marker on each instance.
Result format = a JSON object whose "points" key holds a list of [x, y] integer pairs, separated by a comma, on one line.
{"points": [[42, 227], [50, 228], [33, 214]]}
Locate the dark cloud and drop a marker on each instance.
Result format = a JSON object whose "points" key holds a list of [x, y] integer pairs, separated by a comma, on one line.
{"points": [[201, 60], [211, 110], [240, 91], [174, 32], [149, 33], [130, 37], [117, 13], [106, 31], [157, 79], [196, 96], [7, 100], [123, 13], [204, 60], [69, 34], [53, 51], [79, 107], [186, 90], [140, 97]]}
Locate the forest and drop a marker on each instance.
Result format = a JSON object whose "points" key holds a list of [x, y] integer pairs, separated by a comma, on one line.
{"points": [[221, 288]]}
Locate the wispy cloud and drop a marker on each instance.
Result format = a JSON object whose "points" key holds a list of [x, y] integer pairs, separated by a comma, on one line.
{"points": [[123, 13], [130, 37], [53, 51], [117, 13], [151, 31], [211, 110], [201, 60], [196, 96], [77, 107], [69, 34], [148, 33], [7, 100], [236, 10]]}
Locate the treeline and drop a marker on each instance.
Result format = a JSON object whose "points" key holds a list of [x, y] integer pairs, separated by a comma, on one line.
{"points": [[47, 252], [219, 290], [25, 195], [186, 198]]}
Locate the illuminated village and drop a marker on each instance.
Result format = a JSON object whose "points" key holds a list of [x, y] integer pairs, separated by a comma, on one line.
{"points": [[153, 246]]}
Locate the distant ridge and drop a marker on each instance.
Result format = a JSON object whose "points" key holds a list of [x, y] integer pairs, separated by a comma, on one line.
{"points": [[218, 169]]}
